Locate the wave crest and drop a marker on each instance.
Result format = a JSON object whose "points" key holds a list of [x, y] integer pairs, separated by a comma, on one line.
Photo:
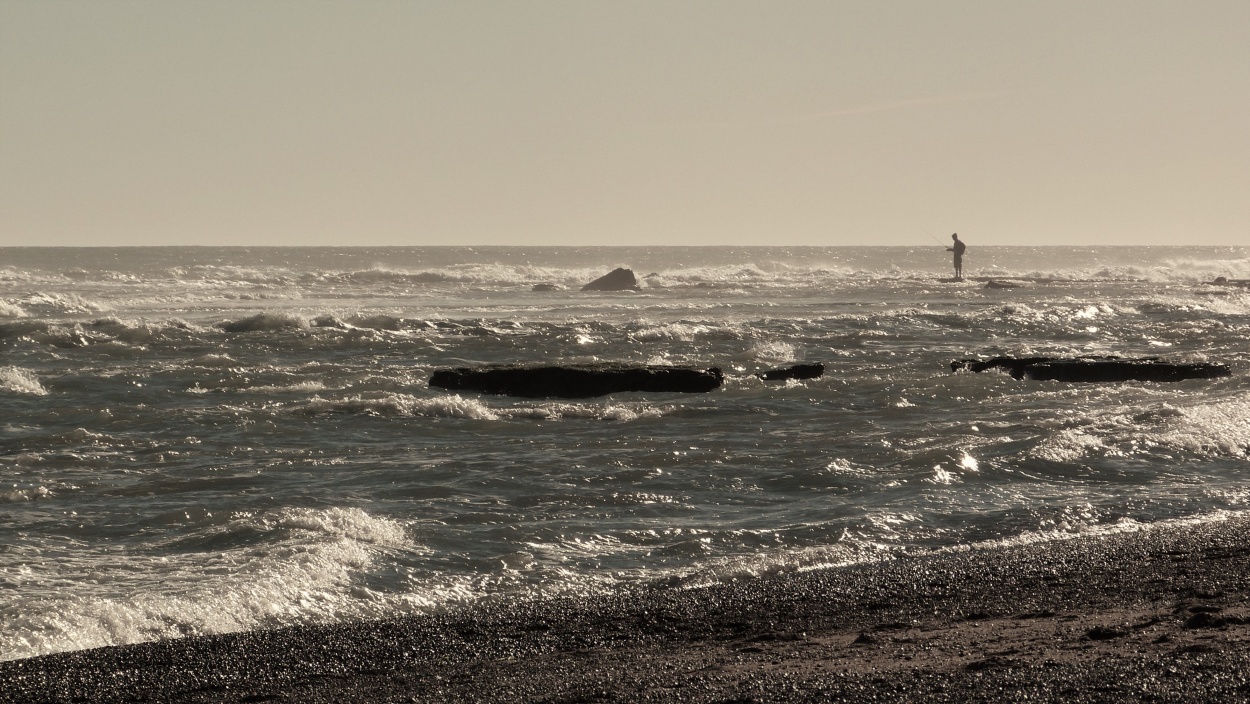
{"points": [[265, 322], [21, 381]]}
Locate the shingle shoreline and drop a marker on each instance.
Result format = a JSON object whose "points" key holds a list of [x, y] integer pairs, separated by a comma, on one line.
{"points": [[1161, 614]]}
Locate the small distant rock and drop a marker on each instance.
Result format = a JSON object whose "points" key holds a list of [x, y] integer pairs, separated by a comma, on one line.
{"points": [[798, 371], [615, 280], [547, 287]]}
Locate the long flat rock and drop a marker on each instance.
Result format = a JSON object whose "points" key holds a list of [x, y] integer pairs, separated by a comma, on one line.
{"points": [[576, 381], [1095, 369]]}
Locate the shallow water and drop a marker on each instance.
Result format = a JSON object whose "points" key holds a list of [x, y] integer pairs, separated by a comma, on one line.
{"points": [[199, 440]]}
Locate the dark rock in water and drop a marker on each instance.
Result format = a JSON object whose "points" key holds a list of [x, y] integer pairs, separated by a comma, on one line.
{"points": [[798, 371], [578, 381], [615, 280], [1123, 370], [1095, 369], [1001, 284], [1225, 281], [547, 287]]}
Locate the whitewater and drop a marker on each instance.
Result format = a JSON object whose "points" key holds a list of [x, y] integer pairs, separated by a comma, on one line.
{"points": [[209, 440]]}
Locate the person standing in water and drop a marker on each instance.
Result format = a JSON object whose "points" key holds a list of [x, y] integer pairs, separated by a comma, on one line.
{"points": [[958, 248]]}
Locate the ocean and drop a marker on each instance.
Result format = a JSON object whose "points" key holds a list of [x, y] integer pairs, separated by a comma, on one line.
{"points": [[209, 440]]}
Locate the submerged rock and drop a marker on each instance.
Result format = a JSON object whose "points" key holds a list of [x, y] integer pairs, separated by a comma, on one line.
{"points": [[615, 280], [1095, 369], [576, 381], [547, 287], [992, 283], [798, 371]]}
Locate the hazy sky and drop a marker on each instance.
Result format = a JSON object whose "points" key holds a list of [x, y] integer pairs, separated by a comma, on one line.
{"points": [[625, 122]]}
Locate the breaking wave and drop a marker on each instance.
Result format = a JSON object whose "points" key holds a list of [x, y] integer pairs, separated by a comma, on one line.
{"points": [[279, 568], [265, 322], [21, 381], [456, 406]]}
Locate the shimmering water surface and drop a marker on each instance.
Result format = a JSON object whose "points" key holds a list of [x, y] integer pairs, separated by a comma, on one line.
{"points": [[204, 440]]}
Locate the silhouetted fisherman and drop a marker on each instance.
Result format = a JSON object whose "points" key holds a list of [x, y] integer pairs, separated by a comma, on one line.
{"points": [[958, 248]]}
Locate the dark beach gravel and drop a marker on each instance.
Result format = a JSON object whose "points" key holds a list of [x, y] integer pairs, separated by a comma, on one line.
{"points": [[1156, 615]]}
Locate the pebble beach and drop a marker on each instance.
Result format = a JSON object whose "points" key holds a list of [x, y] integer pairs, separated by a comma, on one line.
{"points": [[1157, 614]]}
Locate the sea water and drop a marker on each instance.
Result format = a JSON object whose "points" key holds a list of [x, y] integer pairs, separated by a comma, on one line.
{"points": [[206, 440]]}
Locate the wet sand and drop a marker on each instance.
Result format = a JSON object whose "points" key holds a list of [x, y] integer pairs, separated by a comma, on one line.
{"points": [[1157, 615]]}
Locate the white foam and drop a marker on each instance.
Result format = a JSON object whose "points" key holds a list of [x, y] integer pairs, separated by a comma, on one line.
{"points": [[849, 551], [456, 406], [1068, 445], [300, 387], [685, 331], [1215, 429], [21, 381], [17, 494], [941, 475], [1221, 428], [389, 404], [853, 550], [1094, 529], [62, 302], [214, 360], [11, 310], [774, 351], [623, 412], [845, 467]]}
